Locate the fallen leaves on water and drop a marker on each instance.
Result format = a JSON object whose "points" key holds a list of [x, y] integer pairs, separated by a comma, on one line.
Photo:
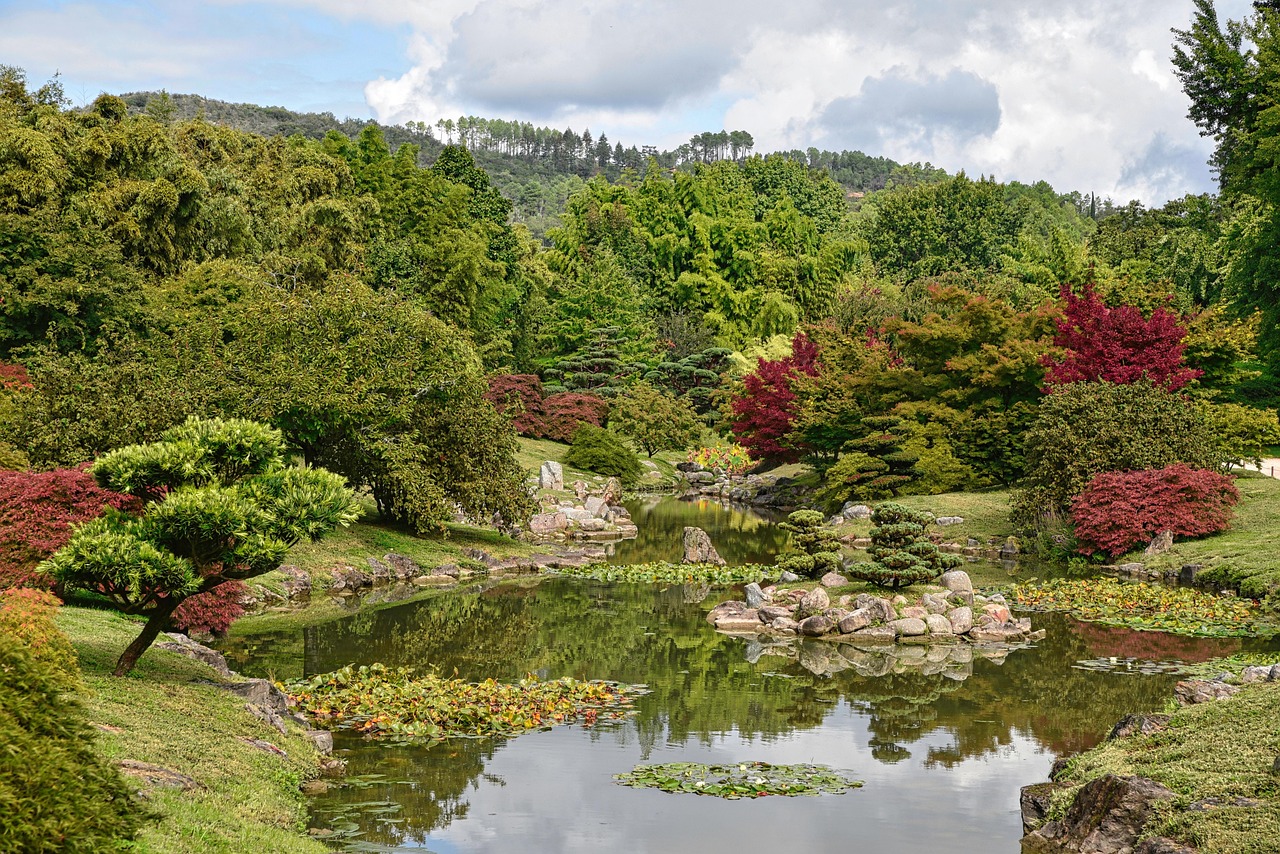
{"points": [[739, 780]]}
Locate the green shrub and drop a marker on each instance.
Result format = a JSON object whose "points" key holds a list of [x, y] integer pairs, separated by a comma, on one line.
{"points": [[56, 793], [603, 452], [28, 615], [900, 552], [818, 546], [1086, 429]]}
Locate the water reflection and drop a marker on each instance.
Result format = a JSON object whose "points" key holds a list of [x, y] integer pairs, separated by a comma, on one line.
{"points": [[932, 733], [740, 534]]}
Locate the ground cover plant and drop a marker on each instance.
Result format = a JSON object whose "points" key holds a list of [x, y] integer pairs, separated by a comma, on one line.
{"points": [[381, 701], [1180, 610], [743, 780], [671, 573]]}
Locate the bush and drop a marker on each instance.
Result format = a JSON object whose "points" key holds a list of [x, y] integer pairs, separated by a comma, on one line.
{"points": [[56, 793], [212, 612], [732, 459], [598, 450], [1121, 510], [28, 615], [520, 396], [900, 552], [37, 510], [655, 419], [569, 410], [1086, 429], [819, 546]]}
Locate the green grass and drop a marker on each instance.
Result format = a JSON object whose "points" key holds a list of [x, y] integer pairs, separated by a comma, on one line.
{"points": [[249, 800], [532, 453], [986, 515], [1244, 556], [1218, 750]]}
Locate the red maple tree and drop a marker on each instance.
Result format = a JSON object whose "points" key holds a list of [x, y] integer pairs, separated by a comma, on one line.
{"points": [[766, 409], [1117, 345]]}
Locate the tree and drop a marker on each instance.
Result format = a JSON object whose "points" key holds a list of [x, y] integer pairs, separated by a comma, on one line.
{"points": [[1117, 345], [818, 547], [221, 503], [901, 553], [656, 420], [767, 407]]}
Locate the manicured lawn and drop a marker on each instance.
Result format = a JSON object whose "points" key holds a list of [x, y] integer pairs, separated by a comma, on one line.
{"points": [[985, 514]]}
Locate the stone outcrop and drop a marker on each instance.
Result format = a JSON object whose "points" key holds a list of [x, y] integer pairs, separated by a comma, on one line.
{"points": [[184, 645], [1106, 817], [551, 476], [698, 548]]}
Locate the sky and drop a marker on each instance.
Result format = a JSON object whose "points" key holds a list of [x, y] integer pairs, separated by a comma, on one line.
{"points": [[1081, 95]]}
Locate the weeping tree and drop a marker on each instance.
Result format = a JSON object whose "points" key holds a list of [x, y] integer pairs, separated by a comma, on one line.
{"points": [[900, 552], [220, 503]]}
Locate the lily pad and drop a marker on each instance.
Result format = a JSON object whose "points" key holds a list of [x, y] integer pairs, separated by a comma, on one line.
{"points": [[671, 573], [741, 780]]}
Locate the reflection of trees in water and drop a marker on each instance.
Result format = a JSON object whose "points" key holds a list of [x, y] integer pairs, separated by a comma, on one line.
{"points": [[740, 535], [704, 686]]}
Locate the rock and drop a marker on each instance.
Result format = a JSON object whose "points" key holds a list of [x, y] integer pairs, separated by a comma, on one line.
{"points": [[333, 768], [876, 634], [580, 490], [855, 511], [349, 579], [297, 582], [816, 626], [689, 466], [1188, 573], [934, 604], [909, 628], [551, 475], [322, 739], [433, 580], [961, 620], [1131, 725], [698, 548], [403, 568], [788, 577], [833, 579], [450, 569], [998, 613], [264, 746], [1010, 549], [157, 775], [949, 520], [724, 609], [854, 621], [577, 514], [597, 507], [769, 613], [813, 602], [1195, 691], [1264, 673], [747, 621], [267, 716], [1159, 544], [1035, 801], [260, 692], [914, 612], [379, 571], [593, 525], [700, 477], [997, 634], [184, 645], [1163, 845], [755, 596], [785, 625], [548, 523], [957, 581], [938, 625], [1106, 817], [1132, 569]]}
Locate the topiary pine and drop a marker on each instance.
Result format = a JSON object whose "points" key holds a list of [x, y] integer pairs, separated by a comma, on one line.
{"points": [[819, 547], [900, 552]]}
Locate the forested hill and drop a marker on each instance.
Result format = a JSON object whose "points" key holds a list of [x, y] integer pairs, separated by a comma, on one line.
{"points": [[537, 168]]}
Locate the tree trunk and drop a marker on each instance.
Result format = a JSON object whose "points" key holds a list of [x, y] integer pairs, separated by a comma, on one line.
{"points": [[158, 620]]}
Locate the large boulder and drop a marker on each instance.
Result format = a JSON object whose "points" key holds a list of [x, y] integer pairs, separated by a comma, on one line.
{"points": [[833, 579], [958, 583], [816, 626], [1159, 544], [551, 475], [961, 620], [755, 596], [698, 548], [548, 523], [815, 601], [909, 627], [855, 621], [183, 645], [1106, 817], [612, 493], [852, 510], [1195, 691]]}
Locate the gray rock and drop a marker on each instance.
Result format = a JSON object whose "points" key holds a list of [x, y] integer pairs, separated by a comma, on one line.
{"points": [[593, 524], [788, 577], [612, 492], [297, 582], [597, 507], [938, 625], [854, 621], [1264, 673], [1035, 802], [548, 523], [551, 475], [578, 514], [961, 620], [769, 613], [1131, 725], [755, 596], [909, 628], [1010, 549], [724, 609], [1195, 691], [260, 692], [1106, 817], [698, 548], [855, 511], [833, 579], [1132, 569], [580, 490], [949, 520], [934, 604], [876, 635], [914, 612], [267, 716], [704, 477], [1159, 544], [784, 625], [816, 626], [746, 622], [957, 581], [184, 645], [813, 602], [157, 775], [348, 578], [380, 572]]}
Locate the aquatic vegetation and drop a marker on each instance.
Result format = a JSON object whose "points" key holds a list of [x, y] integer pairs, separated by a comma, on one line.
{"points": [[381, 701], [1179, 610], [672, 573], [743, 780]]}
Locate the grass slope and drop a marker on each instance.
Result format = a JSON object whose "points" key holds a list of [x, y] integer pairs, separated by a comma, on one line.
{"points": [[249, 800], [985, 514], [1221, 750]]}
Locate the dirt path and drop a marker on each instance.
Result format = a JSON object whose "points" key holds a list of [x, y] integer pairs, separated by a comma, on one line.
{"points": [[1271, 467]]}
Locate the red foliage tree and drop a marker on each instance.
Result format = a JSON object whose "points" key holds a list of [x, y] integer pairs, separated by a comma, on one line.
{"points": [[1117, 345], [556, 417], [212, 611], [765, 411], [13, 377], [37, 510], [1121, 510]]}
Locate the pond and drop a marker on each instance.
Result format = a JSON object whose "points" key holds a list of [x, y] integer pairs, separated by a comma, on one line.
{"points": [[943, 747], [740, 534]]}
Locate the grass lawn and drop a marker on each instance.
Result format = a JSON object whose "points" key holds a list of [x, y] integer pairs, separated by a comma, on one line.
{"points": [[1222, 750], [985, 514], [162, 714], [1244, 556]]}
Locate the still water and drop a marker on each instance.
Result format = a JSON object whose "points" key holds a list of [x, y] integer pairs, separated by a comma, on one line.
{"points": [[942, 743]]}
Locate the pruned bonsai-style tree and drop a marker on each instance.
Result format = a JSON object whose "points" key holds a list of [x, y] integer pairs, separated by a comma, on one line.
{"points": [[900, 552], [221, 503]]}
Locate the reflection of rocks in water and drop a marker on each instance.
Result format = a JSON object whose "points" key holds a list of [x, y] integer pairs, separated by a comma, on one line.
{"points": [[953, 661], [693, 594]]}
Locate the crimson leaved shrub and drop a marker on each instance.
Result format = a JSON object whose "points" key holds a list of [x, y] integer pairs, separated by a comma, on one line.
{"points": [[567, 411], [37, 510], [558, 417], [1122, 510], [212, 611], [765, 410]]}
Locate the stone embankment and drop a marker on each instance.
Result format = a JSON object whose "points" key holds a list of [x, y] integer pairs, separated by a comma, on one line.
{"points": [[596, 516], [951, 614], [761, 490]]}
